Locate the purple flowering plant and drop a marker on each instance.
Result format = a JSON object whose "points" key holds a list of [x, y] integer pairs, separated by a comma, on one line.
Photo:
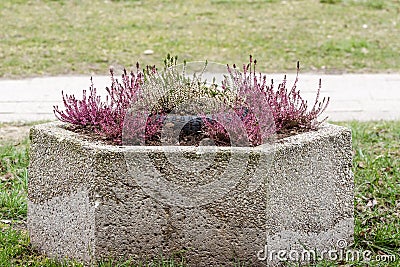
{"points": [[255, 103]]}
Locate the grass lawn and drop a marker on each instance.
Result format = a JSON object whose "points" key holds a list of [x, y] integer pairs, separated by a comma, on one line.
{"points": [[376, 165], [53, 37], [47, 37]]}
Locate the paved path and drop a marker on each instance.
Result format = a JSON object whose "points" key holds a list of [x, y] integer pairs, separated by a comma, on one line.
{"points": [[353, 96]]}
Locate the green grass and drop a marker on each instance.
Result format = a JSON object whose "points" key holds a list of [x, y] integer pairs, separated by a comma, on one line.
{"points": [[44, 37], [13, 181], [377, 169], [376, 165]]}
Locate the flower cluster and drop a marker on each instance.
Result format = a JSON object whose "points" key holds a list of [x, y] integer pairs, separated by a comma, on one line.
{"points": [[106, 118], [264, 110], [254, 103]]}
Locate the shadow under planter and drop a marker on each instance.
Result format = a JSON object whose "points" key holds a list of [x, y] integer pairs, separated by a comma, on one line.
{"points": [[89, 201]]}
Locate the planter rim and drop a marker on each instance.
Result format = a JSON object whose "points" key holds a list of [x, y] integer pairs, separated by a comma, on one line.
{"points": [[56, 128]]}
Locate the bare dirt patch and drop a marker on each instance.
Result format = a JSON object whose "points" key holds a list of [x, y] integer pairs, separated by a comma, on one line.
{"points": [[13, 132]]}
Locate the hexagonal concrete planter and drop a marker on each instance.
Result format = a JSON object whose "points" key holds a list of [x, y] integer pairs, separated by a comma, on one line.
{"points": [[85, 202]]}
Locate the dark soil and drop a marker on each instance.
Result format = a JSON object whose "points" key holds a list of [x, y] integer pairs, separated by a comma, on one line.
{"points": [[191, 134], [283, 133], [190, 130]]}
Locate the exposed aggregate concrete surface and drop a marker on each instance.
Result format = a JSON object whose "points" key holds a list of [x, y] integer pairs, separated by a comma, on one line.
{"points": [[88, 200]]}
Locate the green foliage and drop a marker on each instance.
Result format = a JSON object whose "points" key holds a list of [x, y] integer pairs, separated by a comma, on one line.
{"points": [[377, 168], [376, 4], [330, 1], [175, 86], [13, 180], [373, 4]]}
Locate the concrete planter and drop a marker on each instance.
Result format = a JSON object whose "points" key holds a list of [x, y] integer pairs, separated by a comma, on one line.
{"points": [[89, 201]]}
